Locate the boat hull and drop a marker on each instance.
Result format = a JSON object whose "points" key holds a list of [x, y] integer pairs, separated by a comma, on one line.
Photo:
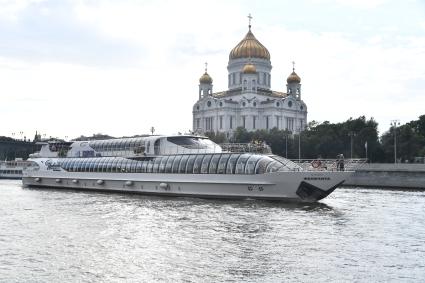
{"points": [[297, 186]]}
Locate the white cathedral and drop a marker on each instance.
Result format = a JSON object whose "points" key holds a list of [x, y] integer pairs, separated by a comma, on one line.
{"points": [[249, 102]]}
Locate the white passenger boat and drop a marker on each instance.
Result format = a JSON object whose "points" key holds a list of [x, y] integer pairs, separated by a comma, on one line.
{"points": [[12, 169], [184, 165]]}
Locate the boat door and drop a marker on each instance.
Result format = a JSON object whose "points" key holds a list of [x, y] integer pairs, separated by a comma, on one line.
{"points": [[157, 146]]}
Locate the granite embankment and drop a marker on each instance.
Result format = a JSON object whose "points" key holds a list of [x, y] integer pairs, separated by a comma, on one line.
{"points": [[408, 176]]}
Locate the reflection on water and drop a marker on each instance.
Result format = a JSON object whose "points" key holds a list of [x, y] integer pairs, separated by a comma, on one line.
{"points": [[353, 235]]}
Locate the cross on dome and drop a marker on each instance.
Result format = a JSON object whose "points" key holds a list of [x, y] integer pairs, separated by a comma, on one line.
{"points": [[249, 20]]}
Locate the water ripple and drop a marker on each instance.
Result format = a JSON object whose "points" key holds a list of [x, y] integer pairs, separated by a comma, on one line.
{"points": [[354, 235]]}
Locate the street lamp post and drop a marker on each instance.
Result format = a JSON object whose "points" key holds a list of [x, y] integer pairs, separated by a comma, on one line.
{"points": [[299, 144], [351, 135], [286, 144], [395, 123]]}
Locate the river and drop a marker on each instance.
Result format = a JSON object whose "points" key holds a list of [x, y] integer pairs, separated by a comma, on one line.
{"points": [[361, 235]]}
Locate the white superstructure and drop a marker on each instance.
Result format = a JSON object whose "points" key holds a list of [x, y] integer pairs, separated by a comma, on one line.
{"points": [[185, 165], [12, 169]]}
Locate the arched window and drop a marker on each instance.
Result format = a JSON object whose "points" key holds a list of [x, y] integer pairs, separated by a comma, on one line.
{"points": [[221, 168], [176, 163], [197, 164], [205, 164], [190, 163], [240, 164], [214, 163], [169, 165]]}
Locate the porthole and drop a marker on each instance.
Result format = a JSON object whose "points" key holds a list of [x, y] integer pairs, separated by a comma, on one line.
{"points": [[209, 103], [290, 103]]}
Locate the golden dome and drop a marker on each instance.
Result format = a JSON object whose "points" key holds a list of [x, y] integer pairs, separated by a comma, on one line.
{"points": [[249, 68], [249, 47], [293, 78], [205, 79]]}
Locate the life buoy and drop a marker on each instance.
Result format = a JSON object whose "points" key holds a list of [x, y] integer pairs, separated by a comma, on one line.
{"points": [[316, 163]]}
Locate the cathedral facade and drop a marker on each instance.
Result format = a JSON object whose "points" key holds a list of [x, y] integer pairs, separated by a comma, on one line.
{"points": [[249, 101]]}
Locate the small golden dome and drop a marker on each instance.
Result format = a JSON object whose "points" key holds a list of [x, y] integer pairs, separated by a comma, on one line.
{"points": [[293, 78], [205, 79], [249, 47], [249, 68]]}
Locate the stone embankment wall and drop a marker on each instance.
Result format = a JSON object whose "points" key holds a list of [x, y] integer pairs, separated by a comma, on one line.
{"points": [[389, 176]]}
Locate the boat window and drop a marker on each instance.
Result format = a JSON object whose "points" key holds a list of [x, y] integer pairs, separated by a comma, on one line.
{"points": [[126, 144], [290, 165], [86, 165], [129, 165], [250, 164], [261, 166], [231, 164], [104, 163], [148, 147], [96, 165], [274, 167], [156, 164], [150, 166], [118, 166], [162, 165], [64, 164], [190, 162], [183, 162], [169, 165], [213, 164], [124, 165], [107, 146], [131, 144], [139, 167], [133, 166], [240, 164], [191, 142], [144, 165], [221, 168], [205, 164], [69, 164], [157, 146], [115, 165], [197, 164], [92, 165], [175, 168], [75, 165], [109, 165]]}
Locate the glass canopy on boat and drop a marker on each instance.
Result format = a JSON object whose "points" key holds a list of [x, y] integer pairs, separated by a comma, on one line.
{"points": [[223, 163]]}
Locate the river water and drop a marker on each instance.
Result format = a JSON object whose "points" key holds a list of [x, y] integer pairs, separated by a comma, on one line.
{"points": [[361, 235]]}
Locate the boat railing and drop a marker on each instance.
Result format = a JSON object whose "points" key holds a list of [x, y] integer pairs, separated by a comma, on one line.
{"points": [[260, 148], [331, 164]]}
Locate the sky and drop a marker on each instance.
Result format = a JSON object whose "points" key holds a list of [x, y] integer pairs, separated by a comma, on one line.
{"points": [[120, 67]]}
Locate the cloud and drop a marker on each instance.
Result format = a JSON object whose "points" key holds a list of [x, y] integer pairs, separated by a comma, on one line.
{"points": [[121, 67], [10, 10], [361, 4]]}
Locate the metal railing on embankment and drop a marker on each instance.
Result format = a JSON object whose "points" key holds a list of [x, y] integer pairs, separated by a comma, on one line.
{"points": [[331, 164]]}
